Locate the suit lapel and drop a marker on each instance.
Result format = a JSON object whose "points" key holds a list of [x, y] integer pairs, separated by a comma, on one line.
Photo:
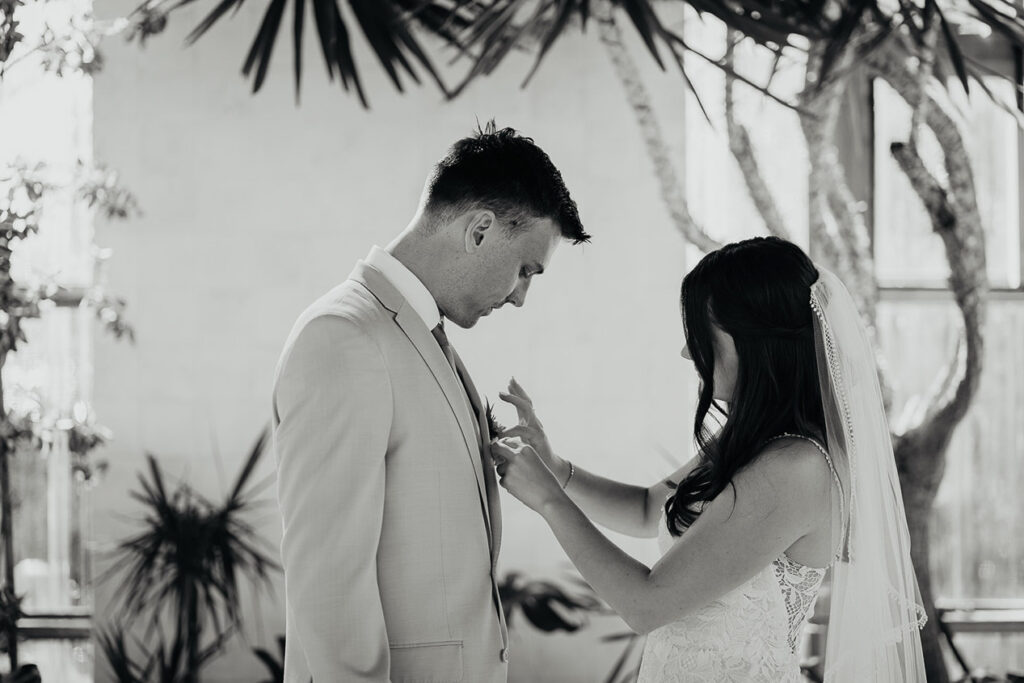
{"points": [[492, 487], [412, 325], [493, 504]]}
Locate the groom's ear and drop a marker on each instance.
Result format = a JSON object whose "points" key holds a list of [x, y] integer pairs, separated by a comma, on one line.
{"points": [[481, 224]]}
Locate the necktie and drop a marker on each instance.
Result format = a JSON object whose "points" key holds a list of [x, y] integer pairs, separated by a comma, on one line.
{"points": [[480, 425], [449, 353], [446, 347]]}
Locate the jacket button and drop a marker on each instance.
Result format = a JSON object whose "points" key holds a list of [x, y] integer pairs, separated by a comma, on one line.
{"points": [[504, 654]]}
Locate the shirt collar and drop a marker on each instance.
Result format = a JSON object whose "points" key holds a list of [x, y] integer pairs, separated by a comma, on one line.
{"points": [[407, 284]]}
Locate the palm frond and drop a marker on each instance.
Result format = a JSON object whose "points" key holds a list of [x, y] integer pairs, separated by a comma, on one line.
{"points": [[212, 18], [1003, 17], [263, 45], [124, 666], [388, 26], [840, 36], [563, 13], [978, 71], [250, 464], [337, 47], [544, 604], [297, 28], [187, 560], [956, 56], [647, 24], [274, 665], [620, 663], [487, 31]]}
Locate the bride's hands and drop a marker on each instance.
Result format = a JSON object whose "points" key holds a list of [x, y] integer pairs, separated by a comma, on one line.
{"points": [[529, 429], [523, 474]]}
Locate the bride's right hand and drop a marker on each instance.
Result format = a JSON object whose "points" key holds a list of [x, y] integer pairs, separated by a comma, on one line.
{"points": [[529, 429]]}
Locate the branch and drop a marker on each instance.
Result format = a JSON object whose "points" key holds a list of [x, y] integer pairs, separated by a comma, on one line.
{"points": [[950, 403], [844, 240], [919, 107], [853, 230], [743, 151], [957, 221], [927, 187], [850, 249], [640, 101]]}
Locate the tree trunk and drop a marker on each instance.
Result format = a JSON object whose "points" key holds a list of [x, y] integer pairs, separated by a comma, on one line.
{"points": [[640, 101], [840, 240], [921, 451], [919, 485], [6, 529]]}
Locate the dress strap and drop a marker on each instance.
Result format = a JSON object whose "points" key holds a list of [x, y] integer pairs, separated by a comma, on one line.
{"points": [[835, 477]]}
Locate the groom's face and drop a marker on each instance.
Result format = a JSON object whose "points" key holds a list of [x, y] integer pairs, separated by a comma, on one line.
{"points": [[499, 267]]}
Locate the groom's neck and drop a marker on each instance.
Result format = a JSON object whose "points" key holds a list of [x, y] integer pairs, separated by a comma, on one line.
{"points": [[423, 257]]}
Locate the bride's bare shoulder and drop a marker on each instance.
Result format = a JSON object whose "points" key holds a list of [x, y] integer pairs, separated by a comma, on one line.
{"points": [[792, 470]]}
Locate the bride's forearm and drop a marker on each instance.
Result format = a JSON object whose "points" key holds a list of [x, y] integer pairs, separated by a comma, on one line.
{"points": [[612, 504], [618, 578]]}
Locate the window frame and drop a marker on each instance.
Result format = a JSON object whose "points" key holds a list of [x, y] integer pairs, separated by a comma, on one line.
{"points": [[995, 53]]}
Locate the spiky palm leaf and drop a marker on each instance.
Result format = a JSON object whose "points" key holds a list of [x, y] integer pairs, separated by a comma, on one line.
{"points": [[124, 666], [619, 672], [487, 31], [274, 665], [388, 26], [545, 605]]}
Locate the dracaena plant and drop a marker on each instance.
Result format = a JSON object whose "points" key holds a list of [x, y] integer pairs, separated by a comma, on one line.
{"points": [[546, 605], [181, 575]]}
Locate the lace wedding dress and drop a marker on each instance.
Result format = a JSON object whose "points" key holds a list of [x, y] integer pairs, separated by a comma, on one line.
{"points": [[750, 634]]}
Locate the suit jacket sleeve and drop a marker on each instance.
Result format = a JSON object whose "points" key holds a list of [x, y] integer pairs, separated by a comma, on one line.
{"points": [[334, 407]]}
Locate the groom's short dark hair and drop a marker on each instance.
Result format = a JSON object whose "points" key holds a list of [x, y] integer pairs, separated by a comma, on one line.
{"points": [[507, 173]]}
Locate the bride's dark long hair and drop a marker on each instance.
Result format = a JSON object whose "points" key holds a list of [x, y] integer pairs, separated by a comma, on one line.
{"points": [[758, 291]]}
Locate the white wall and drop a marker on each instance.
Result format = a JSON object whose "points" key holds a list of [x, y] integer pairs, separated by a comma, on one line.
{"points": [[254, 206]]}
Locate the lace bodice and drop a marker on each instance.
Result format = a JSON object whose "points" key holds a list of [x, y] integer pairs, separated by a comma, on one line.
{"points": [[799, 585], [749, 634]]}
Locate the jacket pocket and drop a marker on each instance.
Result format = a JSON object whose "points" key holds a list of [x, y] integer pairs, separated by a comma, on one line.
{"points": [[439, 662]]}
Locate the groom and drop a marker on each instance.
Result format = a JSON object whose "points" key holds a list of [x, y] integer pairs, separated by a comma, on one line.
{"points": [[389, 501]]}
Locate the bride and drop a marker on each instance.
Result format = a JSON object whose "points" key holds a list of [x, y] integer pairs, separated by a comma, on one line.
{"points": [[796, 480]]}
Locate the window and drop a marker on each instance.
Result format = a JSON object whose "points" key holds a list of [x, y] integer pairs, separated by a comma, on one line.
{"points": [[976, 546], [46, 118]]}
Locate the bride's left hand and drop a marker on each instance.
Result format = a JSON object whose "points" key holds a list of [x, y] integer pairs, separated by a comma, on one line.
{"points": [[523, 474]]}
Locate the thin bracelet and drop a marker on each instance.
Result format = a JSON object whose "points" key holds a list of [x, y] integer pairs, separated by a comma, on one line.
{"points": [[572, 471]]}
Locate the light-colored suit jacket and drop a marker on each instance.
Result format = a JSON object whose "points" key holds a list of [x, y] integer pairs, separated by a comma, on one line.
{"points": [[391, 519]]}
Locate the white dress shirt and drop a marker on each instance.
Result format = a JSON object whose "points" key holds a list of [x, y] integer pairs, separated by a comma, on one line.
{"points": [[408, 285]]}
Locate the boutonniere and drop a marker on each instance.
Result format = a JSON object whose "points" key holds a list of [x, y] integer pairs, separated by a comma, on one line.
{"points": [[492, 423]]}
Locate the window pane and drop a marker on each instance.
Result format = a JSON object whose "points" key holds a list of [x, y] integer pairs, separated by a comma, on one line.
{"points": [[977, 535], [902, 226], [983, 479]]}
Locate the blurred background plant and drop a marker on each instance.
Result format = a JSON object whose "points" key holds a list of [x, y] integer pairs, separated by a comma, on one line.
{"points": [[38, 40], [182, 572]]}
